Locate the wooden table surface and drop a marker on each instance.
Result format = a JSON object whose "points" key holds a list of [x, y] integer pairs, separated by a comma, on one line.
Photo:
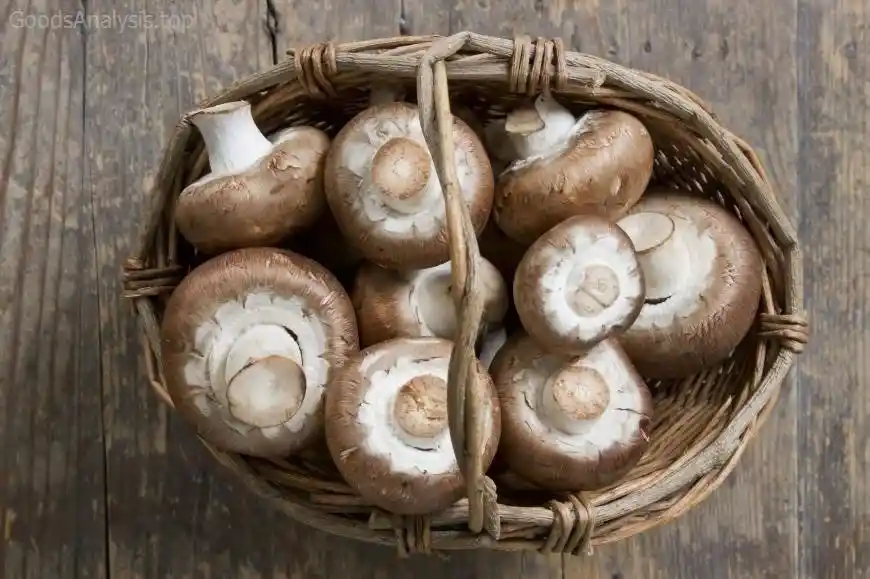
{"points": [[99, 480]]}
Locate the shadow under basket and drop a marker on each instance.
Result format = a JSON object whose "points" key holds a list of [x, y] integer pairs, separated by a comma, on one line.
{"points": [[701, 424]]}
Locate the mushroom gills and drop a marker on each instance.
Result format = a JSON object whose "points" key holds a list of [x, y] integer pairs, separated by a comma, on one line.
{"points": [[387, 425], [250, 339], [570, 423], [383, 188], [578, 284]]}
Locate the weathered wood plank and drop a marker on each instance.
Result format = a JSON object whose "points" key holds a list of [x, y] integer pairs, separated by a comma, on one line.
{"points": [[300, 22], [834, 97], [739, 56], [51, 488], [172, 512]]}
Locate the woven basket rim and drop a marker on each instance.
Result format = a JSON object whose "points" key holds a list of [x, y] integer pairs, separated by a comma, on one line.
{"points": [[471, 57]]}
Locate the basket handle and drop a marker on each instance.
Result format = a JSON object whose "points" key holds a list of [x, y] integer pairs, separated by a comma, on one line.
{"points": [[464, 403]]}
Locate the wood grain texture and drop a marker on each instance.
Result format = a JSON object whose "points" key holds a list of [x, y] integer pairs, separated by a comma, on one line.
{"points": [[834, 170], [172, 512], [51, 439], [740, 56]]}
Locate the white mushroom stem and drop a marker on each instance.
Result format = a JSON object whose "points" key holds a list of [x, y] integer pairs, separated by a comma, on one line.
{"points": [[420, 412], [232, 139], [662, 253], [435, 306], [401, 171], [540, 129], [264, 377], [249, 358], [573, 398]]}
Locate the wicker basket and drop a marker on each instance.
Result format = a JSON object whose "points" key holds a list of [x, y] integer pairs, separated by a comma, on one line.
{"points": [[702, 425]]}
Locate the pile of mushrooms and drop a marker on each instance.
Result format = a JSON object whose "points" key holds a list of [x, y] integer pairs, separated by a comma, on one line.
{"points": [[325, 309]]}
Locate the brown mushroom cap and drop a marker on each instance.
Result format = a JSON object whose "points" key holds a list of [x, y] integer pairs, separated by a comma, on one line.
{"points": [[250, 339], [386, 425], [570, 424], [382, 186], [703, 276], [601, 166], [259, 191], [578, 284], [418, 303]]}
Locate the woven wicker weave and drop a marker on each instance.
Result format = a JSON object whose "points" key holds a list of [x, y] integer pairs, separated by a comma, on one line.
{"points": [[702, 424]]}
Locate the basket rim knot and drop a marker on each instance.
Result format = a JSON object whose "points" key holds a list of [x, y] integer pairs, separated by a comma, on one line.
{"points": [[792, 330], [531, 64], [572, 528], [315, 64]]}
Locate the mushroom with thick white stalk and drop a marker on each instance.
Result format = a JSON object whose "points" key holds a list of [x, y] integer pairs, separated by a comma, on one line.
{"points": [[382, 186], [570, 424], [259, 191], [387, 430], [599, 164], [250, 339], [419, 303], [578, 284], [702, 271]]}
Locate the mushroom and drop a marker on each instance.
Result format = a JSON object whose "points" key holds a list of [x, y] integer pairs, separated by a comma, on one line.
{"points": [[387, 430], [570, 424], [578, 284], [419, 303], [259, 191], [597, 165], [703, 273], [250, 339], [382, 186]]}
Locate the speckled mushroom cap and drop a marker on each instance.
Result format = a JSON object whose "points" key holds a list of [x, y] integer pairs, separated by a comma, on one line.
{"points": [[259, 190], [250, 339], [383, 188], [597, 165], [702, 271], [570, 423], [418, 303], [578, 284], [386, 425]]}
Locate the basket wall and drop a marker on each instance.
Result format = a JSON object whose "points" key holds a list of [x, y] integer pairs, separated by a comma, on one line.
{"points": [[701, 425]]}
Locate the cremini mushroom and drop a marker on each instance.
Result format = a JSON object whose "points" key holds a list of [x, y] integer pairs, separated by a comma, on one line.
{"points": [[259, 191], [383, 188], [578, 284], [597, 165], [250, 339], [570, 424], [419, 303], [387, 430], [702, 271]]}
